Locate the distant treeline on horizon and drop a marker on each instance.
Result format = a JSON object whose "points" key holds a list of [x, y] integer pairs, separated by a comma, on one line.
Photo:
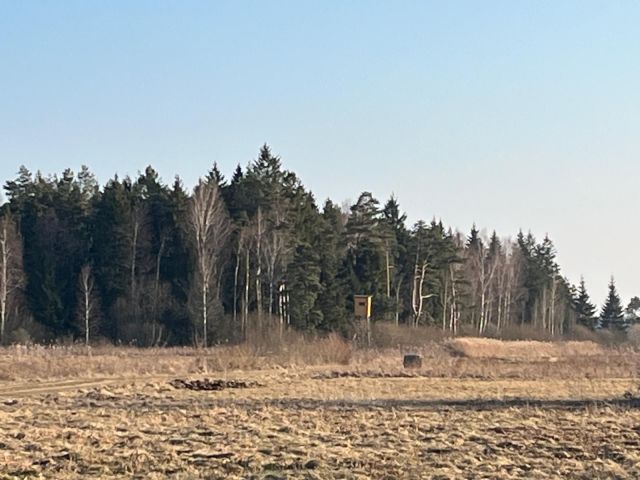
{"points": [[142, 262]]}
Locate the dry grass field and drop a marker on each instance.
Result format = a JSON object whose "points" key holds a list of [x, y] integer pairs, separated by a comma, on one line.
{"points": [[321, 410]]}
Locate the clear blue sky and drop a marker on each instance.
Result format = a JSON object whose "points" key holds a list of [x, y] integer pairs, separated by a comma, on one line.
{"points": [[511, 114]]}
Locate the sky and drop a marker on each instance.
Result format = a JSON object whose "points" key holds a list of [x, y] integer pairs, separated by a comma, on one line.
{"points": [[512, 115]]}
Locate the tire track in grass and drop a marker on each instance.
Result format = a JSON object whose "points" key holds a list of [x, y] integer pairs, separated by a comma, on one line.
{"points": [[27, 389]]}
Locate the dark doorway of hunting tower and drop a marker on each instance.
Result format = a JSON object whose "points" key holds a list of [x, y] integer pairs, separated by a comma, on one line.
{"points": [[362, 311]]}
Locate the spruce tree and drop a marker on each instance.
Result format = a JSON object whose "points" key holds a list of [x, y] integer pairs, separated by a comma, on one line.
{"points": [[178, 266], [215, 175], [110, 250], [304, 285], [397, 244], [495, 247], [333, 292], [585, 310], [156, 277], [474, 242], [364, 264], [612, 316]]}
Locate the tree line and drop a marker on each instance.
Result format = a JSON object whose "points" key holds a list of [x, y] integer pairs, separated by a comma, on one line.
{"points": [[141, 262]]}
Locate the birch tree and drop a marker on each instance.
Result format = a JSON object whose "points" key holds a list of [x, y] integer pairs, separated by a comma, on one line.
{"points": [[241, 240], [88, 310], [11, 272], [210, 228], [418, 295], [276, 252], [421, 267], [258, 231]]}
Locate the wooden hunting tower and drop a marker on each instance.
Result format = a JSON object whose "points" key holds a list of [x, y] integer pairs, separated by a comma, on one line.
{"points": [[362, 306], [362, 312]]}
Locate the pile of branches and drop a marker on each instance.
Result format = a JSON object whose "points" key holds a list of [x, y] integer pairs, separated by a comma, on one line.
{"points": [[211, 385]]}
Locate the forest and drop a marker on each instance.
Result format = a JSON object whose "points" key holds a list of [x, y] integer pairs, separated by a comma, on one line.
{"points": [[145, 263]]}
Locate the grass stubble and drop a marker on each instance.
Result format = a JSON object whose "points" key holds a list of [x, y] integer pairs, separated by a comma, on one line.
{"points": [[571, 413]]}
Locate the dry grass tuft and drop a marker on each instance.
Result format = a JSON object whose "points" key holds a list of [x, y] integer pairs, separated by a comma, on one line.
{"points": [[330, 350], [390, 335], [633, 336], [455, 358], [36, 362]]}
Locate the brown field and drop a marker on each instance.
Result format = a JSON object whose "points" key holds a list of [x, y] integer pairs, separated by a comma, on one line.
{"points": [[527, 410]]}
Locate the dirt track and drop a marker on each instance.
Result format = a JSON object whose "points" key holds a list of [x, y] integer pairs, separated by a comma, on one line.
{"points": [[23, 389]]}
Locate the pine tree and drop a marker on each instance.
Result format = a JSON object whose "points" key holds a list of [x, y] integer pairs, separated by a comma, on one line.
{"points": [[632, 312], [585, 310], [612, 315], [20, 189]]}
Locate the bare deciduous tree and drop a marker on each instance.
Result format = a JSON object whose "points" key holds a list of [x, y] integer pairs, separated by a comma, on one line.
{"points": [[418, 296], [258, 229], [240, 247], [138, 239], [210, 228], [276, 253], [158, 288]]}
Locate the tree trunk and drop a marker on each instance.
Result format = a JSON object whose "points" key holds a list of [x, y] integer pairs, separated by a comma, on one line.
{"points": [[236, 272], [482, 312], [210, 229], [87, 305], [270, 296], [245, 313], [156, 290], [552, 307], [397, 306], [259, 267], [418, 295], [134, 254], [204, 314], [87, 312], [388, 273], [445, 301], [4, 278]]}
